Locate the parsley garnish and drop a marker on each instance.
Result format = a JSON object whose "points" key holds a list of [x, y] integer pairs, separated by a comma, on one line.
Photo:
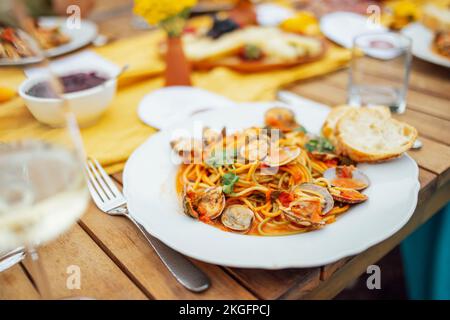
{"points": [[228, 181], [319, 144]]}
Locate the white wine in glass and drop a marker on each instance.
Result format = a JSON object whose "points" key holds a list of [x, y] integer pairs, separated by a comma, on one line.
{"points": [[43, 192]]}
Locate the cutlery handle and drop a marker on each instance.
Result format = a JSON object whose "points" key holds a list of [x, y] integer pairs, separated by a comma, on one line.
{"points": [[186, 273]]}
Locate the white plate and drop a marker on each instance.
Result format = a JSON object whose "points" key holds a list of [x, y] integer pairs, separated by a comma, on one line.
{"points": [[422, 41], [79, 38], [166, 106], [342, 27], [23, 61], [149, 186]]}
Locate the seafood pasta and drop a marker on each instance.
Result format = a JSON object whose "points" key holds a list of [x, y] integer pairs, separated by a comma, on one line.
{"points": [[272, 180]]}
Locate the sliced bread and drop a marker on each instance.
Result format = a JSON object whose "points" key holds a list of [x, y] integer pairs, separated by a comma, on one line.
{"points": [[329, 126], [369, 135], [333, 117]]}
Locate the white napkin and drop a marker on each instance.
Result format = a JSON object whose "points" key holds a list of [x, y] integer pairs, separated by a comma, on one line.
{"points": [[84, 60]]}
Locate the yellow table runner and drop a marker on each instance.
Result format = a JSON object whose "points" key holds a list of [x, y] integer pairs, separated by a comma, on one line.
{"points": [[114, 137]]}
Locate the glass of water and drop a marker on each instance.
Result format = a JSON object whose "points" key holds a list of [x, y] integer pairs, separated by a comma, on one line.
{"points": [[379, 70]]}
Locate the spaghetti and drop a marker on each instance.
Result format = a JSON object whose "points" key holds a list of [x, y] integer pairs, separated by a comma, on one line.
{"points": [[260, 181]]}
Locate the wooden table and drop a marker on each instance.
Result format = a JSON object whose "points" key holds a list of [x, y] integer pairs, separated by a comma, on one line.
{"points": [[117, 263]]}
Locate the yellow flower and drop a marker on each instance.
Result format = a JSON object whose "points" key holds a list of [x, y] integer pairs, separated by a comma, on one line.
{"points": [[157, 11], [403, 12], [303, 22]]}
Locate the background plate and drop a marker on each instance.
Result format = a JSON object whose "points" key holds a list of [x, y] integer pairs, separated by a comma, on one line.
{"points": [[422, 41], [79, 38]]}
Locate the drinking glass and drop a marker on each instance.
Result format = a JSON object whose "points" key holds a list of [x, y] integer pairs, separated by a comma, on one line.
{"points": [[43, 190], [379, 70]]}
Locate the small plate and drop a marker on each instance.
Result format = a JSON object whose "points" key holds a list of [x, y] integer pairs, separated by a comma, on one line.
{"points": [[342, 27], [165, 106]]}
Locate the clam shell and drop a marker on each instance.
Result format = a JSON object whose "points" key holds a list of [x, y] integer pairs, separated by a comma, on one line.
{"points": [[346, 199], [188, 207], [212, 201], [298, 220], [238, 218], [282, 157], [256, 149], [329, 202], [357, 174], [281, 118]]}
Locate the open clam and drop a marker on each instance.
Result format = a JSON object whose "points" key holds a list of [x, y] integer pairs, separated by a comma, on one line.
{"points": [[305, 209], [283, 155], [280, 118], [256, 149], [347, 177], [210, 136], [347, 195], [324, 156], [188, 201], [187, 148], [305, 213], [209, 203], [328, 202], [238, 218]]}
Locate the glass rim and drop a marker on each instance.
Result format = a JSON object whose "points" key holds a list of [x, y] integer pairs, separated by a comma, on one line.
{"points": [[408, 44]]}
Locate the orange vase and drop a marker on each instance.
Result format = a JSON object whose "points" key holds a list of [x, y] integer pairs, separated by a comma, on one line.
{"points": [[178, 68]]}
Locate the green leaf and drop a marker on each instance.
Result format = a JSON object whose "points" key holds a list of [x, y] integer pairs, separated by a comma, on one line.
{"points": [[319, 144], [228, 181], [217, 159]]}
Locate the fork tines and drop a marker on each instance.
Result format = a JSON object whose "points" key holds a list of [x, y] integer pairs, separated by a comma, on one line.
{"points": [[102, 187]]}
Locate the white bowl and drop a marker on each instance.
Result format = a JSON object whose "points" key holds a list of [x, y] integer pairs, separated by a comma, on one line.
{"points": [[87, 105]]}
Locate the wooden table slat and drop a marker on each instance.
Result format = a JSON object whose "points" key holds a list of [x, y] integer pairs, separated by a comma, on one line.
{"points": [[417, 100], [15, 284], [273, 284], [100, 278], [128, 248], [424, 76], [427, 125]]}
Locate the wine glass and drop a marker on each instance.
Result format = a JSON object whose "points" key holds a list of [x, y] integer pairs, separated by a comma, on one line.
{"points": [[43, 190]]}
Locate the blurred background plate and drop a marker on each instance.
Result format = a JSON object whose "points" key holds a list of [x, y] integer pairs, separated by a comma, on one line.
{"points": [[23, 61], [422, 44], [79, 37], [341, 27]]}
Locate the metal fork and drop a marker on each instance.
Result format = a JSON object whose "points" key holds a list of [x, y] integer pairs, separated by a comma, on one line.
{"points": [[110, 200], [10, 258]]}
